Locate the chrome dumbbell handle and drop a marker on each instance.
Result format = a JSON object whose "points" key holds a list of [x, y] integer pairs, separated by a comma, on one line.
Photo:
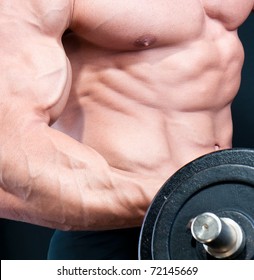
{"points": [[221, 237]]}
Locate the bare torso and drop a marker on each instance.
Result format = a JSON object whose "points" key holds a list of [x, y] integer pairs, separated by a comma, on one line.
{"points": [[151, 89], [153, 81]]}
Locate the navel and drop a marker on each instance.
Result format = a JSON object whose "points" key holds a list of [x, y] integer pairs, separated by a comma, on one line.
{"points": [[145, 41], [216, 147]]}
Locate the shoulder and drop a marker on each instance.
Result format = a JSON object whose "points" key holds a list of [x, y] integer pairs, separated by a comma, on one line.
{"points": [[232, 13], [43, 16]]}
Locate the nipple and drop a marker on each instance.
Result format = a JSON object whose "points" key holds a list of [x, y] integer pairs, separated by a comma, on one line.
{"points": [[145, 41]]}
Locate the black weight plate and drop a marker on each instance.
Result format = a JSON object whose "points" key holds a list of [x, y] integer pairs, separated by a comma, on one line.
{"points": [[220, 182], [232, 191]]}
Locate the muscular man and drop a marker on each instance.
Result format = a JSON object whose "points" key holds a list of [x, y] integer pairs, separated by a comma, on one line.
{"points": [[93, 124]]}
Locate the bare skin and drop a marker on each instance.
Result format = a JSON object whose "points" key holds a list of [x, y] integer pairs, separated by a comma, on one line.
{"points": [[86, 144]]}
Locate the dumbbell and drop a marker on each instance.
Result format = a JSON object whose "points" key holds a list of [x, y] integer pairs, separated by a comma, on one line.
{"points": [[204, 211]]}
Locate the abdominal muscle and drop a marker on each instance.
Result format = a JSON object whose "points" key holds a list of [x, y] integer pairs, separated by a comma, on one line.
{"points": [[150, 112], [153, 144]]}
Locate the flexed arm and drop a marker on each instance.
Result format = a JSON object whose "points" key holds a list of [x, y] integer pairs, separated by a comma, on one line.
{"points": [[46, 177]]}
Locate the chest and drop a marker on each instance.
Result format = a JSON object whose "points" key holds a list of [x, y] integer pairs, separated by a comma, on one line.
{"points": [[140, 24]]}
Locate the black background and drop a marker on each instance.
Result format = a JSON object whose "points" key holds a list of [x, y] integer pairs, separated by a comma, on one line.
{"points": [[25, 241]]}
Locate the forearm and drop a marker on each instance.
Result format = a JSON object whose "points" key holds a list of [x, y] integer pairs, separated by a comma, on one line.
{"points": [[50, 179]]}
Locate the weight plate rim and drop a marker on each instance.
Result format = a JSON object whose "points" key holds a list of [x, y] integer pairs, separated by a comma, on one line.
{"points": [[185, 173], [173, 214]]}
